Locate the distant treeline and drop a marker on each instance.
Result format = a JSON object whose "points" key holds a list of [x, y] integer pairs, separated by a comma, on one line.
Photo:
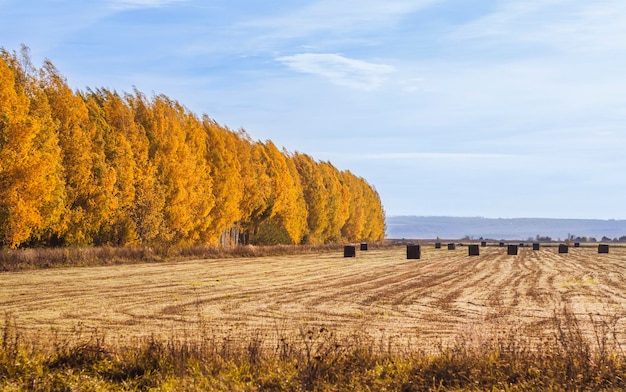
{"points": [[594, 239], [522, 229], [98, 168]]}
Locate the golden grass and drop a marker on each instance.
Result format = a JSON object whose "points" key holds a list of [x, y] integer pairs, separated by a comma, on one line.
{"points": [[40, 258], [313, 360], [378, 319]]}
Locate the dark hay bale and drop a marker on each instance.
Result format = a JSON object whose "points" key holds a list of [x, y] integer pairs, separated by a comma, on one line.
{"points": [[501, 245], [483, 244], [536, 246], [437, 245], [474, 250], [349, 251], [451, 247], [563, 248], [576, 244], [603, 248], [511, 250], [413, 251], [363, 246]]}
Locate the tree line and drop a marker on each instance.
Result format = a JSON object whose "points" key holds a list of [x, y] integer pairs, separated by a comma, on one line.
{"points": [[97, 167]]}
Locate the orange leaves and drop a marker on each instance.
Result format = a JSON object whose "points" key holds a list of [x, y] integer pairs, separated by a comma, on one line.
{"points": [[31, 187], [225, 166], [340, 205], [100, 168]]}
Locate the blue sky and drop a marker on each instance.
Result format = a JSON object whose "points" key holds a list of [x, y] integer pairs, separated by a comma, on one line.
{"points": [[464, 108]]}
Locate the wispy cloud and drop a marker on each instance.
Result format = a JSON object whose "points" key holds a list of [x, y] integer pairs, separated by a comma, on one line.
{"points": [[328, 24], [340, 70], [500, 88], [330, 15], [566, 25], [439, 155], [131, 4]]}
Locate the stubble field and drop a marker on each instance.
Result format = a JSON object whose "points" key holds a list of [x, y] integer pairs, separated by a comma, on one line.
{"points": [[406, 304]]}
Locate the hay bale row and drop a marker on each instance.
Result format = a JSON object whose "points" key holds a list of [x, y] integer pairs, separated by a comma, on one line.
{"points": [[415, 251], [350, 250]]}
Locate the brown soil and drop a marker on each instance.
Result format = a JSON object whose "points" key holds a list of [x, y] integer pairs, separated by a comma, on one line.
{"points": [[423, 302]]}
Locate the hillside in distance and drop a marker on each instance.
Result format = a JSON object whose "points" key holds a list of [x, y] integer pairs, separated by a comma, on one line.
{"points": [[431, 227]]}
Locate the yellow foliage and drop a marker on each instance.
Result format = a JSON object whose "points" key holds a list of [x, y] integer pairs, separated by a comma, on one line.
{"points": [[100, 168], [225, 169], [31, 188]]}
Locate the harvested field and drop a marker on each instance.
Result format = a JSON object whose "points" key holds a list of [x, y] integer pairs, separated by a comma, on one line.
{"points": [[423, 302]]}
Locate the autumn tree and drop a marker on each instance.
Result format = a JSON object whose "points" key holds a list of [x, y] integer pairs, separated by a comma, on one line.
{"points": [[31, 185], [353, 227], [366, 221], [73, 130], [133, 222], [315, 196], [113, 169], [255, 204], [374, 229], [97, 167], [337, 202], [287, 210], [227, 190], [178, 150], [147, 212]]}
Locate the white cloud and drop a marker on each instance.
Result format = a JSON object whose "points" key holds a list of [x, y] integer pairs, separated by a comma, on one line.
{"points": [[347, 14], [357, 74], [131, 4], [567, 25], [499, 88], [331, 21], [439, 155]]}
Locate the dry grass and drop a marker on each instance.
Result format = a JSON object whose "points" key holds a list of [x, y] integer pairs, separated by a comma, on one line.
{"points": [[42, 258], [313, 360], [538, 320], [414, 302]]}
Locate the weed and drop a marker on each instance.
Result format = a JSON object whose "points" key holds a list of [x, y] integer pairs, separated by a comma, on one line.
{"points": [[38, 258], [317, 359]]}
